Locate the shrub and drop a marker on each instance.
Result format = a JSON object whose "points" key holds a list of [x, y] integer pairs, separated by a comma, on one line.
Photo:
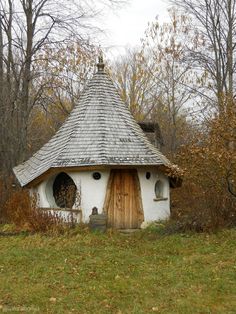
{"points": [[206, 201], [21, 210]]}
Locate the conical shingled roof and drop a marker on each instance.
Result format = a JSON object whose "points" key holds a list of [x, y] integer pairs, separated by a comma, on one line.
{"points": [[100, 130]]}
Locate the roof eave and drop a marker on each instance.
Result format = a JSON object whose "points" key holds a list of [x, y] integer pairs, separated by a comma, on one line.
{"points": [[55, 170]]}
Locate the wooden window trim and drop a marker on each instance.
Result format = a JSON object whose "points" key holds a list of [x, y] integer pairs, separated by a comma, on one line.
{"points": [[58, 209], [160, 199]]}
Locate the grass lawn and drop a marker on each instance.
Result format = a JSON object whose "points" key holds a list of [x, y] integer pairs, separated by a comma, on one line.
{"points": [[144, 272]]}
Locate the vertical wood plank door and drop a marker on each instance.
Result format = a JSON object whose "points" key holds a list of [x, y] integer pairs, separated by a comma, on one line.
{"points": [[123, 202]]}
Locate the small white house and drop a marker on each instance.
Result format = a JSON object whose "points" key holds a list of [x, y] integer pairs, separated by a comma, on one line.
{"points": [[100, 158]]}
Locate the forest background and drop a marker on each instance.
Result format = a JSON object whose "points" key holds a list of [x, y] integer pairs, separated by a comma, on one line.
{"points": [[181, 77]]}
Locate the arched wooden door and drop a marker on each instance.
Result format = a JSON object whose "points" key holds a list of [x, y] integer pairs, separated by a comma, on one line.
{"points": [[123, 203]]}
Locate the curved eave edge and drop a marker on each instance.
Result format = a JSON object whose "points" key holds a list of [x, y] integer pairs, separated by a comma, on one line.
{"points": [[17, 176], [175, 179]]}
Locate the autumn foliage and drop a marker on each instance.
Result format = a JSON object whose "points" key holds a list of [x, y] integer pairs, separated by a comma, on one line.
{"points": [[21, 210], [207, 199]]}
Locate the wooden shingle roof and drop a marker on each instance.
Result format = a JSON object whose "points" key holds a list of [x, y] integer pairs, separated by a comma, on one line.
{"points": [[100, 130]]}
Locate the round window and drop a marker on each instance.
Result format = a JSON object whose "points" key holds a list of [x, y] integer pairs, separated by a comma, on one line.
{"points": [[64, 191], [97, 175], [148, 175]]}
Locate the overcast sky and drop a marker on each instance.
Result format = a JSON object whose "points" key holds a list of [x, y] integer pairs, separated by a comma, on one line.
{"points": [[126, 26]]}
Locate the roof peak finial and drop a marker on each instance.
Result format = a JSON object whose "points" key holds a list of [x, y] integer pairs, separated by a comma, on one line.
{"points": [[100, 63]]}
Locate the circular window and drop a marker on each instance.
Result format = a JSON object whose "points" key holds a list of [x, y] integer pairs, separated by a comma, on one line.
{"points": [[159, 189], [64, 191], [97, 175], [148, 175]]}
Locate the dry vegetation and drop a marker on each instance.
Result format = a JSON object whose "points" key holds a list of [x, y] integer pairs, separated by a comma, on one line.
{"points": [[21, 210], [207, 199]]}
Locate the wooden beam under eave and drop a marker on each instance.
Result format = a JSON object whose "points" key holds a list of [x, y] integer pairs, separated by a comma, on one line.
{"points": [[53, 171]]}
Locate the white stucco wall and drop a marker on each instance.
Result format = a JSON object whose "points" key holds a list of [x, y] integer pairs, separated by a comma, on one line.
{"points": [[93, 194], [92, 191], [154, 209]]}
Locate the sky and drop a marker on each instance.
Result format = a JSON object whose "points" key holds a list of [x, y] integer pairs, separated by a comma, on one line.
{"points": [[126, 26]]}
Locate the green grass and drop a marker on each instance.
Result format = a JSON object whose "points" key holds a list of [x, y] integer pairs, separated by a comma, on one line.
{"points": [[113, 273]]}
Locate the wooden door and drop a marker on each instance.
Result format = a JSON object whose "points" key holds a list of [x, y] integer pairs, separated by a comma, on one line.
{"points": [[123, 202]]}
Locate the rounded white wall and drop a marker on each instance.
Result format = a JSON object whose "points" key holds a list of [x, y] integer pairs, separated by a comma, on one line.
{"points": [[92, 192], [154, 209]]}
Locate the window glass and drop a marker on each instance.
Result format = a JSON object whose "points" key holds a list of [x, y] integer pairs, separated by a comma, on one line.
{"points": [[64, 191], [97, 175], [159, 189]]}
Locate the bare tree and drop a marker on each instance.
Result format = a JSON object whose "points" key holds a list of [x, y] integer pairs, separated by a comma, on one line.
{"points": [[214, 51], [27, 28], [164, 49], [154, 81], [135, 83]]}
